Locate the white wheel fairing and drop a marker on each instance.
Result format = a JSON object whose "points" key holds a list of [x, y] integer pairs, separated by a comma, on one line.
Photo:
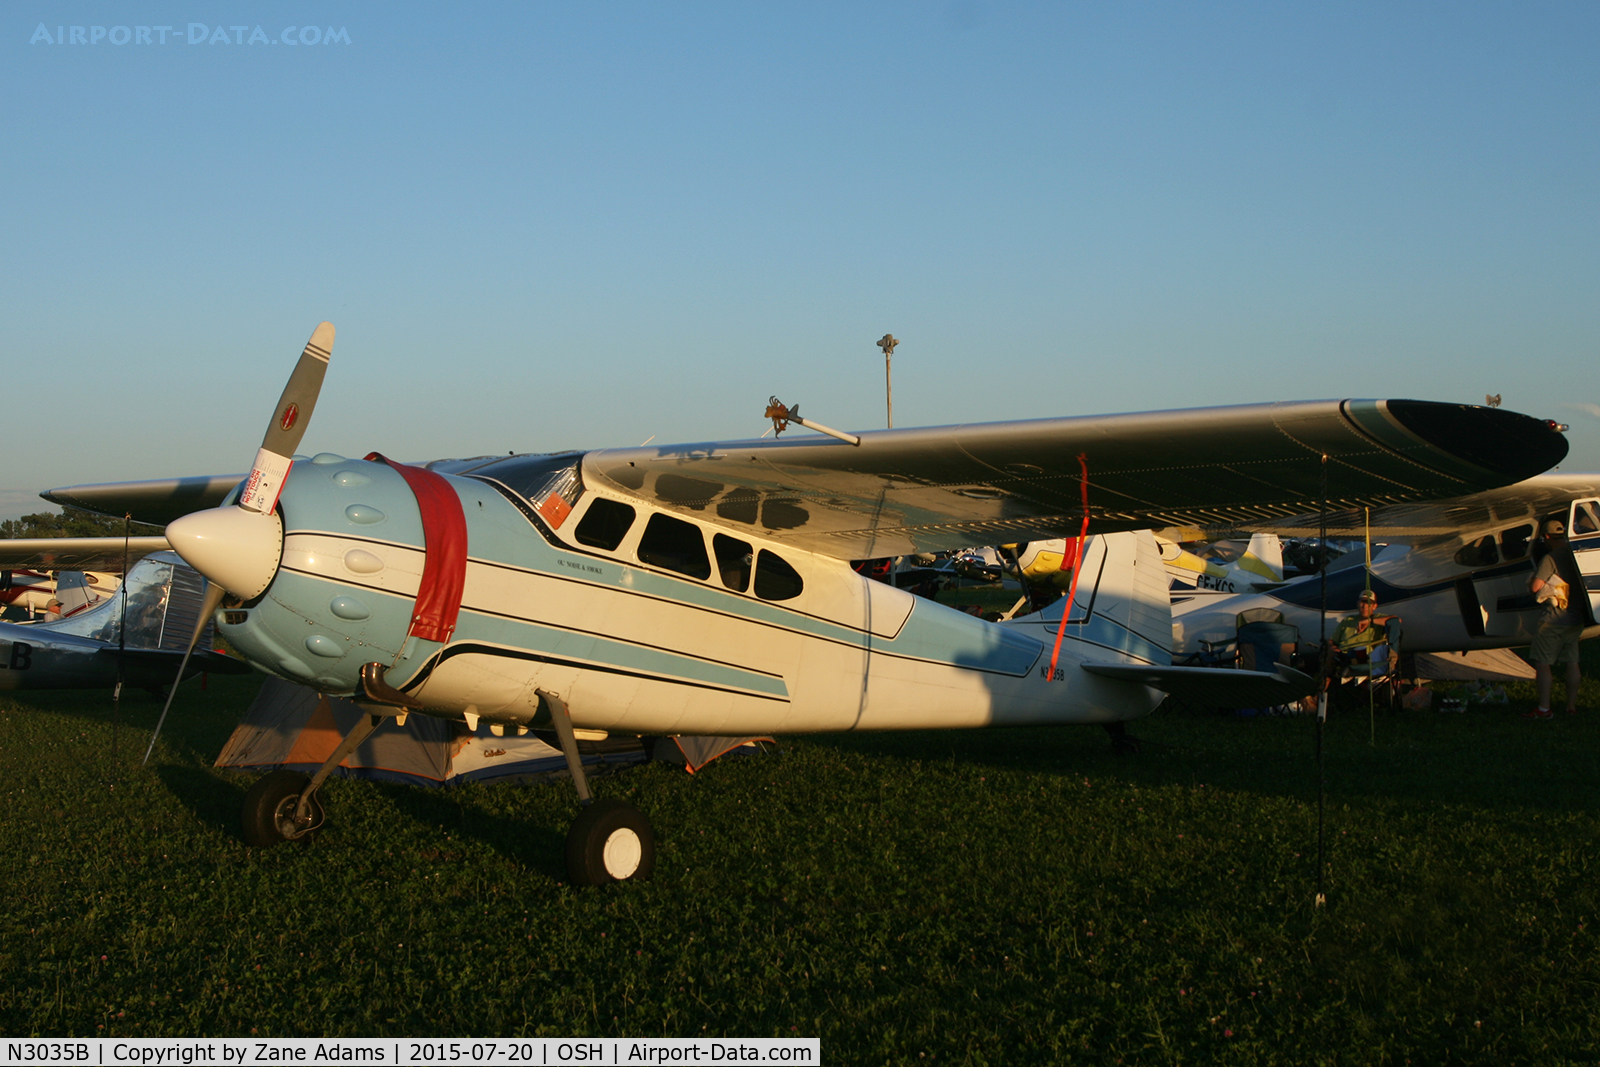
{"points": [[622, 852]]}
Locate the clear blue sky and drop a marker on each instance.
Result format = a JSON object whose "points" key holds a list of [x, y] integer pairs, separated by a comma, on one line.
{"points": [[544, 226]]}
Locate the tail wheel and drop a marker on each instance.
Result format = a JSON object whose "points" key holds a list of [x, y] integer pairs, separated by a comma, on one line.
{"points": [[270, 807], [611, 841]]}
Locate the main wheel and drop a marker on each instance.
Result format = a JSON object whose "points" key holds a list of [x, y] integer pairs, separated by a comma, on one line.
{"points": [[269, 810], [610, 841], [1122, 743]]}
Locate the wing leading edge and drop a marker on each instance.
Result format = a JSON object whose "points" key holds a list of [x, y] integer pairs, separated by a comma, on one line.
{"points": [[156, 502], [946, 487]]}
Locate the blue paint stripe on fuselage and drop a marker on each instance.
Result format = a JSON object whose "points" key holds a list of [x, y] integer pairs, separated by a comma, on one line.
{"points": [[597, 650]]}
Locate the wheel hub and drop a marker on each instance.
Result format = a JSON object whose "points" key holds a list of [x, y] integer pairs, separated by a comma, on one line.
{"points": [[622, 853], [287, 819]]}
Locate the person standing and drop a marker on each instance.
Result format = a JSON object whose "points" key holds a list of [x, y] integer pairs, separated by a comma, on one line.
{"points": [[1558, 586]]}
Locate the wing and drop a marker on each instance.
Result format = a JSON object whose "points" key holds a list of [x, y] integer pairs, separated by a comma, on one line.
{"points": [[901, 491], [77, 553], [156, 502], [1450, 520]]}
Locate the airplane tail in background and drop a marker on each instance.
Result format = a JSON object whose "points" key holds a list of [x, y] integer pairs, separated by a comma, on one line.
{"points": [[1264, 558], [73, 593]]}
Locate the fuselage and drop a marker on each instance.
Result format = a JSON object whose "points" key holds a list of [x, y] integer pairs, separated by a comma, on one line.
{"points": [[645, 621]]}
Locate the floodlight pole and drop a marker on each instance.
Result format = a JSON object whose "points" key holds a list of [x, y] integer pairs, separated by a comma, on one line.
{"points": [[887, 344]]}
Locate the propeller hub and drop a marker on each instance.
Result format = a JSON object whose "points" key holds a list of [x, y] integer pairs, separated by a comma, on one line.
{"points": [[237, 549]]}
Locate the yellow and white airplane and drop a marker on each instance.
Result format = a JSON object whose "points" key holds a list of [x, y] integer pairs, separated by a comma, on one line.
{"points": [[707, 589]]}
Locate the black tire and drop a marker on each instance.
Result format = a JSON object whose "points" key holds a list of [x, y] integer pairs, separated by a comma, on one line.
{"points": [[269, 807], [610, 841], [1122, 743]]}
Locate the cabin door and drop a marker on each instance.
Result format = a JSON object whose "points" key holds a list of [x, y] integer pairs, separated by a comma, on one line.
{"points": [[1583, 533]]}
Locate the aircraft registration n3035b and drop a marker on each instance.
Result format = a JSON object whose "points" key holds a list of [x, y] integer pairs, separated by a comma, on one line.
{"points": [[707, 588]]}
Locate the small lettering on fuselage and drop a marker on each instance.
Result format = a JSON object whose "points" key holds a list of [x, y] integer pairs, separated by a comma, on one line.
{"points": [[576, 565], [1205, 581], [1059, 675]]}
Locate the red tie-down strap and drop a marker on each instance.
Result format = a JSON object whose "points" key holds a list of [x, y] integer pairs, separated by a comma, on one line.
{"points": [[444, 535], [1076, 554]]}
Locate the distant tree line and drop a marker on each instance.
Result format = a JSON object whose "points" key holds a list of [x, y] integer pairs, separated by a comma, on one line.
{"points": [[70, 523]]}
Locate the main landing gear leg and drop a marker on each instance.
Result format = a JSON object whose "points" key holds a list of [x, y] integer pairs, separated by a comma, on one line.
{"points": [[284, 806], [611, 840], [1122, 742]]}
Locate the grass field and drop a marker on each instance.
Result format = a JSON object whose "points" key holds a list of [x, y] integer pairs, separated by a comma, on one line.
{"points": [[980, 897]]}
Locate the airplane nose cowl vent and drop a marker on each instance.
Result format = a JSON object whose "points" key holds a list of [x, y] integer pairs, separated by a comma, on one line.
{"points": [[237, 549]]}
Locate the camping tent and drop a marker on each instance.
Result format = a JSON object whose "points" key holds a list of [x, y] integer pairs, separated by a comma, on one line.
{"points": [[293, 727]]}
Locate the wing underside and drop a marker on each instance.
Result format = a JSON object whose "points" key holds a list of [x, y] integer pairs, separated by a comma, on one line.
{"points": [[77, 553], [1446, 520]]}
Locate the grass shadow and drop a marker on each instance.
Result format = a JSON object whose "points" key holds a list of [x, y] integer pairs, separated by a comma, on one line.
{"points": [[214, 801], [532, 845]]}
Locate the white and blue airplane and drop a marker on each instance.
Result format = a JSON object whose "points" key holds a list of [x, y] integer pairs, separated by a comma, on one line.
{"points": [[707, 588], [1455, 572]]}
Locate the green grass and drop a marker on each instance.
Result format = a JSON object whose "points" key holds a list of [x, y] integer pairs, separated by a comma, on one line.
{"points": [[976, 897]]}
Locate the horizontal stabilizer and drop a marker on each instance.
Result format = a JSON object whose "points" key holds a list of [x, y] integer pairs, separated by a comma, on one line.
{"points": [[1217, 687]]}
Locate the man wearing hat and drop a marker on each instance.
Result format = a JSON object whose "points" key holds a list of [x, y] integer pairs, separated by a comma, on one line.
{"points": [[1561, 623], [1359, 634]]}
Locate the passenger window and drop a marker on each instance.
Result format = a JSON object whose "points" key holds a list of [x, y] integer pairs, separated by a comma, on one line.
{"points": [[676, 545], [1514, 542], [733, 561], [1585, 519], [1479, 553], [775, 579], [605, 524]]}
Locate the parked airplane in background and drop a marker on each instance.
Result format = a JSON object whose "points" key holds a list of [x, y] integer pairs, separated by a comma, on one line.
{"points": [[1261, 563], [1456, 572], [707, 588], [37, 591], [137, 635]]}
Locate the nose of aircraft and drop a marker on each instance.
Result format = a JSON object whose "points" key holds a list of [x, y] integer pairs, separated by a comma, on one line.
{"points": [[237, 549]]}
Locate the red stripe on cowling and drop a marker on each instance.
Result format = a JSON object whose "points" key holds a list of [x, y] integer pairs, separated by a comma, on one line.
{"points": [[444, 535]]}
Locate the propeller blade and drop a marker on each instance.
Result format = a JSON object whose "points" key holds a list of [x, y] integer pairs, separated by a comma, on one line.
{"points": [[239, 547], [289, 421], [208, 608]]}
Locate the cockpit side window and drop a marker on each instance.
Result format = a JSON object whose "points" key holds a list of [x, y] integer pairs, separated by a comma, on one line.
{"points": [[550, 482], [1585, 519], [1514, 542], [733, 561], [605, 524], [676, 545], [1479, 553], [775, 579]]}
